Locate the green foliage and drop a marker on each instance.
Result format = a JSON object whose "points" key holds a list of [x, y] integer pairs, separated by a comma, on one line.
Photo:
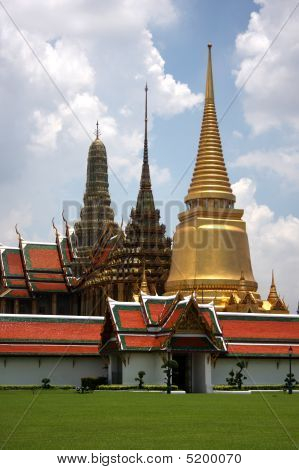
{"points": [[170, 368], [140, 380], [35, 387], [237, 378], [227, 388], [83, 389], [290, 382], [134, 387], [46, 383], [93, 382]]}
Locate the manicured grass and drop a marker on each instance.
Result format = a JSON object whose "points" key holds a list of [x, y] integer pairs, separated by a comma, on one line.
{"points": [[128, 420]]}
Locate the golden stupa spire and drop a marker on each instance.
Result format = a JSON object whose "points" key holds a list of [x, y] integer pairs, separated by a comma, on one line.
{"points": [[273, 295], [144, 286], [210, 179]]}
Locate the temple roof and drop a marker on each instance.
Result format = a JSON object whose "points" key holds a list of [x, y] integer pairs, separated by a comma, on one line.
{"points": [[49, 335], [36, 267], [162, 323], [159, 323]]}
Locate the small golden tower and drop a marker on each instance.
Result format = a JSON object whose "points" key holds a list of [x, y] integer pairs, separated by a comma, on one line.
{"points": [[274, 302], [210, 247]]}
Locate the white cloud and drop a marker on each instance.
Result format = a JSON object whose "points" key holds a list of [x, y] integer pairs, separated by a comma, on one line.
{"points": [[99, 55], [283, 162], [237, 134], [271, 95], [274, 244]]}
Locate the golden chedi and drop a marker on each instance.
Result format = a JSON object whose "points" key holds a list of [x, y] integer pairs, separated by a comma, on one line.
{"points": [[210, 248]]}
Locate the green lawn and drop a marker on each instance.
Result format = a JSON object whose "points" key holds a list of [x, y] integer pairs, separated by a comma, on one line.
{"points": [[126, 420]]}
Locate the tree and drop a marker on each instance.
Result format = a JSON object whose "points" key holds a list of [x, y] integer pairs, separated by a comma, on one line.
{"points": [[290, 382], [170, 368], [46, 383], [139, 379], [236, 379], [231, 378], [240, 377]]}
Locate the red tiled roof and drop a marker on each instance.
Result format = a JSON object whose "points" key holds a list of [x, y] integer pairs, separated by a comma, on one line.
{"points": [[256, 327], [143, 341], [44, 258], [14, 263], [155, 311], [16, 293], [175, 315], [262, 349], [49, 287], [49, 349], [60, 330], [156, 307], [131, 319]]}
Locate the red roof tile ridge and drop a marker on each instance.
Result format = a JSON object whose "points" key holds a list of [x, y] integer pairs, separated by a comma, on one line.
{"points": [[119, 302], [258, 315], [158, 297], [28, 242], [6, 247], [244, 343]]}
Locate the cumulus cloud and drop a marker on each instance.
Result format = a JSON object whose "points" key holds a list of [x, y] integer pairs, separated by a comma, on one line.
{"points": [[274, 244], [283, 162], [93, 61], [271, 96]]}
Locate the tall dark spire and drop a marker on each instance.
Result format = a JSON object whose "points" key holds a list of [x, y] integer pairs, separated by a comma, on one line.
{"points": [[145, 182], [145, 200], [96, 212]]}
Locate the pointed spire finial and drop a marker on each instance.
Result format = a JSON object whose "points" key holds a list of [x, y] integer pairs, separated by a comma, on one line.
{"points": [[209, 82], [273, 280], [145, 154], [145, 183], [210, 179], [273, 296], [97, 131]]}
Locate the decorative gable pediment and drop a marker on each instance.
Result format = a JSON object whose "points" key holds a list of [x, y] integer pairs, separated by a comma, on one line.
{"points": [[190, 322]]}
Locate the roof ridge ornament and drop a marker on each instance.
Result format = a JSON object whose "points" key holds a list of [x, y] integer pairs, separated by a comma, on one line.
{"points": [[18, 233], [55, 228]]}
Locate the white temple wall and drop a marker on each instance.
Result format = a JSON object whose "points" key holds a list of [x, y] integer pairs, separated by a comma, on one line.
{"points": [[61, 371], [259, 370], [149, 362]]}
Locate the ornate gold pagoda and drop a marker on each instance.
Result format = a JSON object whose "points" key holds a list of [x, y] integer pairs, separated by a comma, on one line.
{"points": [[210, 250]]}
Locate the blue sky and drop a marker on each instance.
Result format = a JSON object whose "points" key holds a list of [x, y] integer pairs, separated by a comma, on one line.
{"points": [[100, 59]]}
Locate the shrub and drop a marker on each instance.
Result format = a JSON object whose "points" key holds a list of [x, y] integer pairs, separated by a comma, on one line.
{"points": [[252, 387], [35, 387], [140, 380], [134, 387], [46, 383], [93, 382], [236, 379]]}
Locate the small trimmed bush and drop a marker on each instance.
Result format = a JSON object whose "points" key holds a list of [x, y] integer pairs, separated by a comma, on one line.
{"points": [[93, 382], [46, 383], [35, 387], [252, 387], [134, 387]]}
